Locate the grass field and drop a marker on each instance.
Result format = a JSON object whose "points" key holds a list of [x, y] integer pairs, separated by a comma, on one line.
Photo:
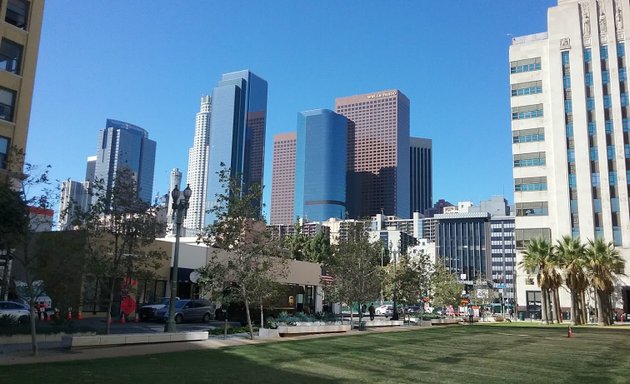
{"points": [[465, 354]]}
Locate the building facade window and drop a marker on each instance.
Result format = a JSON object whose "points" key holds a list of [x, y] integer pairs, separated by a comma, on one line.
{"points": [[7, 104], [535, 208], [17, 13], [528, 135], [4, 151], [527, 112], [527, 184], [529, 159], [528, 88], [10, 56], [526, 65]]}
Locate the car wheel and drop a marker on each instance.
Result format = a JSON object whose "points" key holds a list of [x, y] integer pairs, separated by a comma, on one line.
{"points": [[179, 319], [206, 318]]}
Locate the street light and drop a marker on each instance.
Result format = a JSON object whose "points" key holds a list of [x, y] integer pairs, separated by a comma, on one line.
{"points": [[180, 207], [395, 254]]}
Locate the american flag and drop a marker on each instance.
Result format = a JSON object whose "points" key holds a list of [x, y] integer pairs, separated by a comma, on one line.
{"points": [[327, 279]]}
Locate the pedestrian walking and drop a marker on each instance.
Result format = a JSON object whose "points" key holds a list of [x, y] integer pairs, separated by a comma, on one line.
{"points": [[372, 311]]}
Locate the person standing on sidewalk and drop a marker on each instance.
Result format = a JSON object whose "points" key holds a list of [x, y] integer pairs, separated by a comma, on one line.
{"points": [[372, 311]]}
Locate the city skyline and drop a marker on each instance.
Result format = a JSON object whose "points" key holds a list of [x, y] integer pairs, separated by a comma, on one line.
{"points": [[435, 77]]}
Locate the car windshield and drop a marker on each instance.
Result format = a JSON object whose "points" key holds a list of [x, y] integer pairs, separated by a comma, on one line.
{"points": [[181, 303]]}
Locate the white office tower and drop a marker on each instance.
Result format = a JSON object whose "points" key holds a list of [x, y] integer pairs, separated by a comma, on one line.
{"points": [[73, 198], [197, 177], [571, 133], [175, 181]]}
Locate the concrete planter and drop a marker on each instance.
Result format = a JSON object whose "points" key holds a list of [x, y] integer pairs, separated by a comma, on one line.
{"points": [[444, 321], [285, 330], [41, 338], [266, 333]]}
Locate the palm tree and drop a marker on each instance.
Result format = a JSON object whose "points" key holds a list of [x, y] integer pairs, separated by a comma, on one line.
{"points": [[537, 258], [571, 257], [603, 264]]}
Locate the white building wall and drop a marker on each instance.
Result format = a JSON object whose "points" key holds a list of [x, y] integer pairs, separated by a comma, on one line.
{"points": [[572, 27]]}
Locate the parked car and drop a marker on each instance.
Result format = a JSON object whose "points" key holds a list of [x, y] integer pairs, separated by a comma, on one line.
{"points": [[149, 311], [189, 310], [412, 309], [381, 310], [17, 311]]}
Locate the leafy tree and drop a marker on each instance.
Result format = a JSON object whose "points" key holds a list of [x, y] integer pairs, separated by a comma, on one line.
{"points": [[445, 289], [412, 278], [18, 229], [119, 228], [245, 257], [571, 256], [297, 243], [355, 268], [603, 264], [318, 248]]}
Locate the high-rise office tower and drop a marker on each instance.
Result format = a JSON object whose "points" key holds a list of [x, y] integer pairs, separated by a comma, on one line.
{"points": [[283, 178], [123, 145], [20, 30], [378, 153], [237, 132], [73, 198], [421, 168], [570, 124], [320, 166], [197, 177], [90, 170]]}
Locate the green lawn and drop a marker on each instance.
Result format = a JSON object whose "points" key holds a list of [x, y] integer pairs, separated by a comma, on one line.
{"points": [[465, 354]]}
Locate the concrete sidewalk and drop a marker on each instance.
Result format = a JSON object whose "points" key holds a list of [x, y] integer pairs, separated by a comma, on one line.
{"points": [[55, 353]]}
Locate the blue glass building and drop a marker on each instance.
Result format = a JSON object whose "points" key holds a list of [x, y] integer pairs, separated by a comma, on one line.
{"points": [[237, 132], [123, 145], [320, 165]]}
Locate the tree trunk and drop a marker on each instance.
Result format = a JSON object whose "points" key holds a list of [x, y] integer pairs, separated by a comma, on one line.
{"points": [[602, 313], [556, 299], [584, 308], [550, 317], [262, 317], [108, 325], [574, 307], [544, 313], [249, 318], [350, 316], [34, 347]]}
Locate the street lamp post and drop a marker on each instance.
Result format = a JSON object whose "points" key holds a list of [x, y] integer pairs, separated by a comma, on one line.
{"points": [[180, 207], [395, 254]]}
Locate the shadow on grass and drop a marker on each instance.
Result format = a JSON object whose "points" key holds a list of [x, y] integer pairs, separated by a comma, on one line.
{"points": [[199, 366]]}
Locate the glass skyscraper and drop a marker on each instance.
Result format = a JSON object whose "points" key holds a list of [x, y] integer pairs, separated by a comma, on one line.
{"points": [[237, 132], [123, 145], [320, 170]]}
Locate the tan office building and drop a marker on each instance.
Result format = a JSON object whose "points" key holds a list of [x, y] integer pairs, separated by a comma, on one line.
{"points": [[20, 29]]}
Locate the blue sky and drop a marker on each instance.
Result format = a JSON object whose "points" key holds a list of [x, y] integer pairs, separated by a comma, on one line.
{"points": [[149, 62]]}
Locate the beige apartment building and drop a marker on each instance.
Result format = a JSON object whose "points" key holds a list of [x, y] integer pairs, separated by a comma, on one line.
{"points": [[20, 29]]}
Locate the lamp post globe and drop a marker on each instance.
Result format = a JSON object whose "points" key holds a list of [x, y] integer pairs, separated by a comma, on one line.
{"points": [[180, 207]]}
